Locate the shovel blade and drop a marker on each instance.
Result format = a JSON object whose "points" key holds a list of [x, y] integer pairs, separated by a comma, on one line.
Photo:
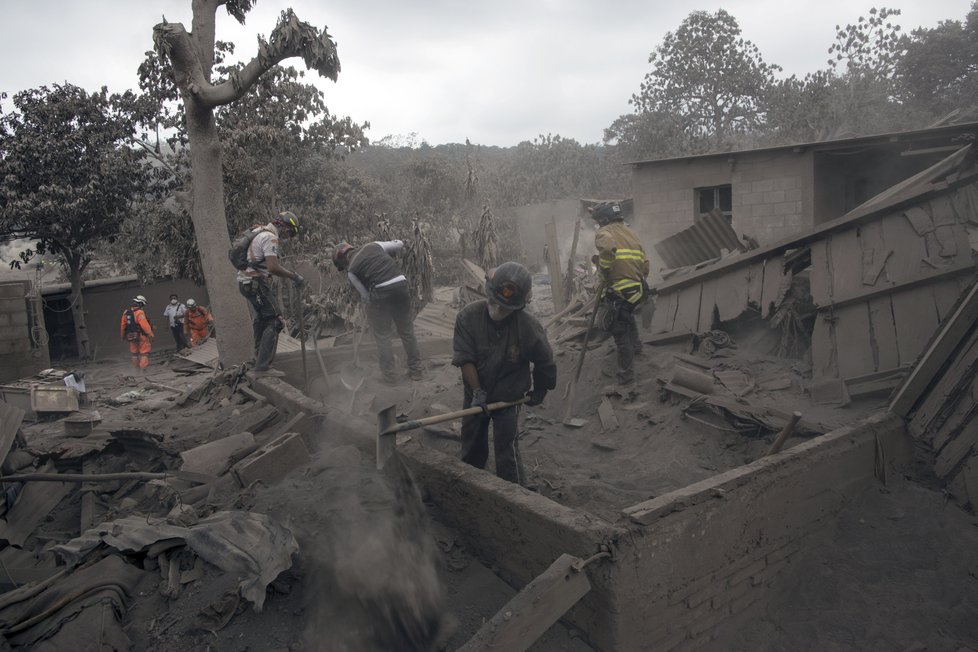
{"points": [[386, 418], [352, 377]]}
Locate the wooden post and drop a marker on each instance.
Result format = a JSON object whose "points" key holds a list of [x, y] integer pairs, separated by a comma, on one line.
{"points": [[569, 279], [553, 267], [533, 610]]}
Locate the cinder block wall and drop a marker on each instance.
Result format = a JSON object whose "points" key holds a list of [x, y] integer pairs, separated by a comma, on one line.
{"points": [[729, 538], [772, 194], [18, 356]]}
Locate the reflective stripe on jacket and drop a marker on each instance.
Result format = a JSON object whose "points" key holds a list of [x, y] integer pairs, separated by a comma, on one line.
{"points": [[622, 260]]}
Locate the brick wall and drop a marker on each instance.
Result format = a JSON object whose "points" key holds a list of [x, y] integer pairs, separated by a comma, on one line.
{"points": [[19, 357], [772, 194], [720, 545]]}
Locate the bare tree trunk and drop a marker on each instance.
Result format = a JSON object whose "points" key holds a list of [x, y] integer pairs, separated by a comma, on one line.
{"points": [[230, 310], [78, 308]]}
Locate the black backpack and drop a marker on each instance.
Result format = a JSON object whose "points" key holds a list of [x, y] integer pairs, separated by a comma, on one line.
{"points": [[238, 253], [133, 329]]}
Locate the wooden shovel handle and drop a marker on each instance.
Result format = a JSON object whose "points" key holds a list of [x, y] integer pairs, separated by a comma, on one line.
{"points": [[450, 416]]}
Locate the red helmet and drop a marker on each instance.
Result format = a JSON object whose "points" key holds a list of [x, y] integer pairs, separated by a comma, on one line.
{"points": [[339, 255]]}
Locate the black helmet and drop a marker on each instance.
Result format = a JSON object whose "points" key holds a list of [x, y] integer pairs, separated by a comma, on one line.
{"points": [[510, 285], [288, 220], [606, 212]]}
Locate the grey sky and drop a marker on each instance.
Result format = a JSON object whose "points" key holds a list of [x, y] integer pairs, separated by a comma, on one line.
{"points": [[495, 72]]}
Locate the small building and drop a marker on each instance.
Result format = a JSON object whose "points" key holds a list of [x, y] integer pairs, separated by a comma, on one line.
{"points": [[775, 193], [23, 339]]}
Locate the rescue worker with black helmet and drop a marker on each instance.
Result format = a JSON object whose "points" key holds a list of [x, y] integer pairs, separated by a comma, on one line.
{"points": [[623, 266], [136, 329], [255, 284], [372, 270], [494, 344]]}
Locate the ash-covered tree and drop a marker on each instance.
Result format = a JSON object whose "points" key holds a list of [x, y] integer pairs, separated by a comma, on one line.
{"points": [[938, 71], [68, 179], [191, 56], [707, 76]]}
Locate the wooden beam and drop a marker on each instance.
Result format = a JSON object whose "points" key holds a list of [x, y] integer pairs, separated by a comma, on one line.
{"points": [[930, 150], [533, 610], [553, 267], [938, 351], [923, 279], [569, 279]]}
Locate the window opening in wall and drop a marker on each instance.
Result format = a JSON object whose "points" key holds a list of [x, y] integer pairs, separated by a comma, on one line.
{"points": [[715, 197]]}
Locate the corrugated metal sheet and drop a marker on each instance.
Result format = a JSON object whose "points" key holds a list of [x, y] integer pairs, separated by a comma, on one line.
{"points": [[700, 242], [207, 354]]}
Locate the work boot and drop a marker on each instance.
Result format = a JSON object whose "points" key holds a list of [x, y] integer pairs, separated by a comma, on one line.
{"points": [[416, 374], [389, 379]]}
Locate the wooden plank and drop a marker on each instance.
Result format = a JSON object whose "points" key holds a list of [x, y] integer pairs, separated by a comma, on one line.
{"points": [[824, 357], [853, 341], [951, 382], [919, 219], [887, 288], [955, 415], [731, 294], [916, 320], [957, 449], [665, 313], [942, 211], [569, 278], [708, 304], [937, 352], [946, 295], [688, 310], [773, 280], [846, 264], [554, 268], [533, 610], [884, 333], [755, 283], [606, 413], [908, 249], [821, 275]]}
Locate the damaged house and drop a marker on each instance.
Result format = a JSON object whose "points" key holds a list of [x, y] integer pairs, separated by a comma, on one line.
{"points": [[774, 193]]}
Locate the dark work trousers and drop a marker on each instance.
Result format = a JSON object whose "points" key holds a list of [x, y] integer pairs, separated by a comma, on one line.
{"points": [[178, 336], [265, 321], [475, 440], [393, 304], [620, 322]]}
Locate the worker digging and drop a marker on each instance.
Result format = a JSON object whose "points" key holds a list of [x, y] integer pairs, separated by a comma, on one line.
{"points": [[495, 344], [378, 278], [256, 268]]}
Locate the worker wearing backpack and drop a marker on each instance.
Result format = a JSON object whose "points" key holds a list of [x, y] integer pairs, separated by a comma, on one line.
{"points": [[135, 329], [255, 283]]}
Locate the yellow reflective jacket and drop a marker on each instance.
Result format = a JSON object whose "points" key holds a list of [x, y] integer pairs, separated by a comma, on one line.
{"points": [[622, 261]]}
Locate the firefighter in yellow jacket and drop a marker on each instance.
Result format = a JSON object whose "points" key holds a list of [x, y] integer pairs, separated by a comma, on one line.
{"points": [[623, 266]]}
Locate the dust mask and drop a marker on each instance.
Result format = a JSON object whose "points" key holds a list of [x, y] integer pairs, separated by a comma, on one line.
{"points": [[173, 302], [498, 312]]}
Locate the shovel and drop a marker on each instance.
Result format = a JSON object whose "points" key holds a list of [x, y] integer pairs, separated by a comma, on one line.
{"points": [[387, 425], [351, 374], [569, 393]]}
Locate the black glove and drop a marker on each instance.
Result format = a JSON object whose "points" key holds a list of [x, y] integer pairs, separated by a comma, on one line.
{"points": [[298, 280], [536, 396], [479, 400]]}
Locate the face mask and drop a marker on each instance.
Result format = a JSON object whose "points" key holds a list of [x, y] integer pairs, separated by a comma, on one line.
{"points": [[498, 313], [173, 302]]}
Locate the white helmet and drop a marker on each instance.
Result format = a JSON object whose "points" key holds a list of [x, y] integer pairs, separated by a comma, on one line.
{"points": [[140, 299], [191, 303]]}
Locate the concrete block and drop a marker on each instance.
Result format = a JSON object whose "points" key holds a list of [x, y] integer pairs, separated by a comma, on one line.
{"points": [[6, 348], [765, 576], [18, 318], [774, 196], [213, 457], [740, 604], [764, 185], [721, 600], [5, 318], [12, 333], [273, 461]]}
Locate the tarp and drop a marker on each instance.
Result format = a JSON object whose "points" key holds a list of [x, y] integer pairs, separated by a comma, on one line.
{"points": [[253, 546]]}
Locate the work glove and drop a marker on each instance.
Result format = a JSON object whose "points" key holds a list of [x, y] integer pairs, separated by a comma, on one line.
{"points": [[298, 281], [479, 400], [536, 396]]}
